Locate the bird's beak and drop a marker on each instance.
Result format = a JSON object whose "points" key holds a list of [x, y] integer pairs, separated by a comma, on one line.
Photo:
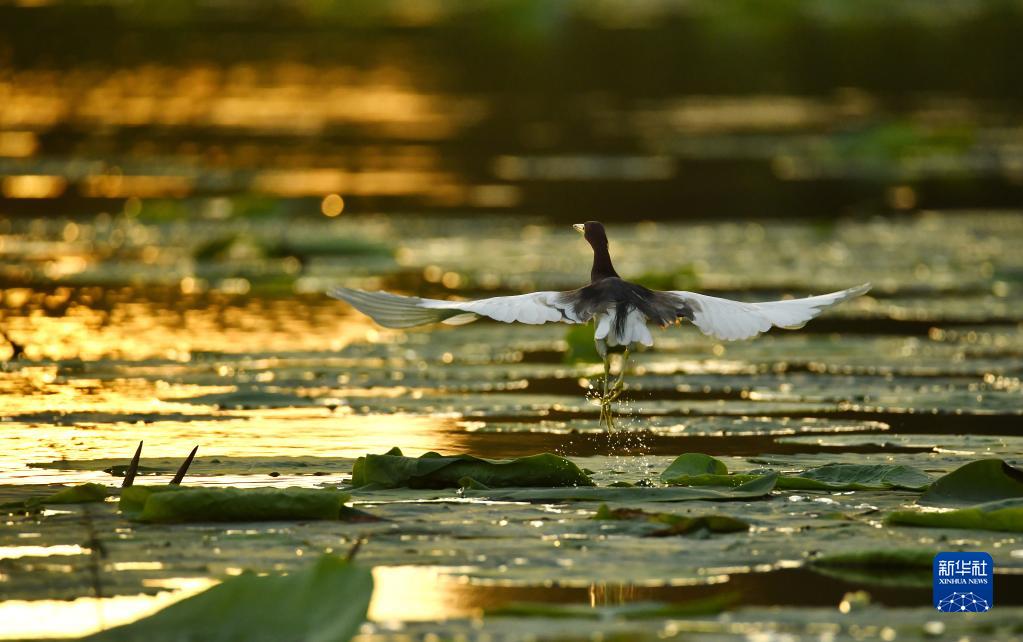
{"points": [[579, 227]]}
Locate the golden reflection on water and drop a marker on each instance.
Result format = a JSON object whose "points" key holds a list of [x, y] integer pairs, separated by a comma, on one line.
{"points": [[238, 96], [293, 432], [150, 330], [30, 619], [416, 593], [14, 552]]}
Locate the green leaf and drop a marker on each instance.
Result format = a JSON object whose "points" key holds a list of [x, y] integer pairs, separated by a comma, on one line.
{"points": [[783, 482], [81, 494], [869, 476], [694, 464], [759, 487], [1003, 515], [896, 567], [827, 477], [879, 557], [676, 524], [977, 482], [237, 504], [634, 611], [324, 602], [432, 470], [78, 495], [133, 498]]}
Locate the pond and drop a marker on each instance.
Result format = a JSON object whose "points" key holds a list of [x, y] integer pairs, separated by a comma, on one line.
{"points": [[144, 333], [180, 183]]}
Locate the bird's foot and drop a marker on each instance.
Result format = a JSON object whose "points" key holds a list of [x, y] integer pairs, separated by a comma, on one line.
{"points": [[607, 416]]}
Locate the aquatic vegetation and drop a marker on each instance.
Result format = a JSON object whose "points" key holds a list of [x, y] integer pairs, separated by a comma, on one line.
{"points": [[974, 483], [688, 470], [694, 464], [80, 494], [675, 524], [633, 611], [879, 557], [432, 470], [818, 441], [757, 488], [173, 504], [1002, 515], [324, 602]]}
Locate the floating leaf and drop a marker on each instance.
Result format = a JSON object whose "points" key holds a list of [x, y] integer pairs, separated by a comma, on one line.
{"points": [[759, 487], [324, 602], [977, 482], [694, 464], [899, 567], [133, 498], [827, 477], [78, 495], [432, 470], [237, 504], [81, 494], [1003, 515], [633, 611], [676, 524], [879, 557], [868, 476]]}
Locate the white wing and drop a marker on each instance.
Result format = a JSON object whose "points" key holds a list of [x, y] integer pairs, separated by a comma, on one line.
{"points": [[732, 320], [395, 311]]}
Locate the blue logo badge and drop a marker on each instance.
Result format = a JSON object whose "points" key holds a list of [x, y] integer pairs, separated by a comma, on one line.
{"points": [[964, 582]]}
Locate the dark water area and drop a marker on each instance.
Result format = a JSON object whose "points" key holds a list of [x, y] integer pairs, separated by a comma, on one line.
{"points": [[780, 588], [691, 111]]}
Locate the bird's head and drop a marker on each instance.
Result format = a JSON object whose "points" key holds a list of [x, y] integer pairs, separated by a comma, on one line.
{"points": [[594, 233]]}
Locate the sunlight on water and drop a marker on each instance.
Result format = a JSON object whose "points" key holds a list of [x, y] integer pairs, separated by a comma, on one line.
{"points": [[20, 619], [277, 434], [14, 552], [416, 593]]}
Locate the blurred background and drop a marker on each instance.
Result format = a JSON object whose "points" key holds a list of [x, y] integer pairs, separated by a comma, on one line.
{"points": [[193, 148], [655, 109], [190, 175], [181, 180]]}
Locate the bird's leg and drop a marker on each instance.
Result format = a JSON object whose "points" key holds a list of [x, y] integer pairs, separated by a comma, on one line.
{"points": [[606, 399], [619, 385], [607, 417], [607, 375], [604, 388]]}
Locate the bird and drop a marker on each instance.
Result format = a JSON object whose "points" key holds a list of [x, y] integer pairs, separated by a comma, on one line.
{"points": [[621, 311]]}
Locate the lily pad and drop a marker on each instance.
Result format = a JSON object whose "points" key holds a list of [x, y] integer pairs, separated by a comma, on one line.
{"points": [[432, 470], [694, 464], [757, 488], [324, 602], [81, 494], [867, 476], [675, 524], [879, 557], [234, 504], [633, 611], [827, 477], [895, 567], [977, 482], [1003, 515]]}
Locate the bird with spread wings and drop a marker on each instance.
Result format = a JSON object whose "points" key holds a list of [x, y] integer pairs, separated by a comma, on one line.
{"points": [[622, 312]]}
